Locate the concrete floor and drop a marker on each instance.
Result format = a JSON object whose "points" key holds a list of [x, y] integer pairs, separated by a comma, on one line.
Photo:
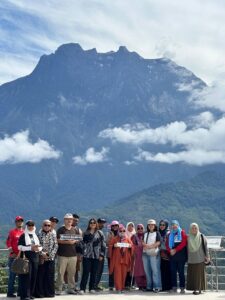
{"points": [[136, 295]]}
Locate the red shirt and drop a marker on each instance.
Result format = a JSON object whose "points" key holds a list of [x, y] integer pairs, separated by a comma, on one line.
{"points": [[12, 240]]}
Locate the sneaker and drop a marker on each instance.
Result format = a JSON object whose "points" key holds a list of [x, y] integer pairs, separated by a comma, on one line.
{"points": [[98, 289], [11, 296], [182, 291], [92, 291], [110, 288], [81, 292], [156, 290], [58, 293], [71, 292]]}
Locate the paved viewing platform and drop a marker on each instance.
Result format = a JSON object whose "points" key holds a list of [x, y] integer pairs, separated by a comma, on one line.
{"points": [[137, 295]]}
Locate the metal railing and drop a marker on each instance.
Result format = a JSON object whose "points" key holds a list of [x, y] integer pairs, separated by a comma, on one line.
{"points": [[215, 272]]}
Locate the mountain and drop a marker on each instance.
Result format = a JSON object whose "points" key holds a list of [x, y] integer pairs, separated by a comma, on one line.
{"points": [[200, 200], [69, 98]]}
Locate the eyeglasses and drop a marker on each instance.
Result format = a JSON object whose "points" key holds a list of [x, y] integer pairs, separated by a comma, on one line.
{"points": [[139, 228], [47, 225], [162, 224]]}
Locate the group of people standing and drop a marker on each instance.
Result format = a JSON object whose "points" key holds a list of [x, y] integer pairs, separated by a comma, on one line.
{"points": [[148, 258]]}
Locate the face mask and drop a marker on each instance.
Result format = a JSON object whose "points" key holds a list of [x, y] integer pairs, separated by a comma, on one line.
{"points": [[122, 234]]}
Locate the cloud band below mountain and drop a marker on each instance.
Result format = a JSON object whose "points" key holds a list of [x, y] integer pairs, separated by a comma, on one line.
{"points": [[201, 144], [91, 156], [19, 149]]}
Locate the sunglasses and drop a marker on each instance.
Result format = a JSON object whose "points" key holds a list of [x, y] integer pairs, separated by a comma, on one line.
{"points": [[47, 225], [162, 224], [122, 230], [30, 225], [139, 228]]}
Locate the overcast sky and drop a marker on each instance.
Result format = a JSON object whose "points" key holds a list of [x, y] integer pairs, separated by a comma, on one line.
{"points": [[191, 32]]}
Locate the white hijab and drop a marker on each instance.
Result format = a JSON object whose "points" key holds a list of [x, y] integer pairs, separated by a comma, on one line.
{"points": [[130, 233], [27, 237]]}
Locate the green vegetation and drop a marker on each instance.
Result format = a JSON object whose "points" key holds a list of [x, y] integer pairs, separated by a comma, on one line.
{"points": [[3, 273], [200, 200]]}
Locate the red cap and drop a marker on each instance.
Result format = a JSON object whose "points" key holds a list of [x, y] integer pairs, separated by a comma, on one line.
{"points": [[19, 218]]}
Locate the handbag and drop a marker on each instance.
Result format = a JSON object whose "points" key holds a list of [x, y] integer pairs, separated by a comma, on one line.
{"points": [[164, 254], [207, 263], [151, 252], [20, 265]]}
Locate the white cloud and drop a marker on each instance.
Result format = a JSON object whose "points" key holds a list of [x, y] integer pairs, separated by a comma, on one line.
{"points": [[129, 163], [91, 156], [19, 149], [202, 144], [140, 133], [211, 96], [193, 38], [197, 157], [204, 119]]}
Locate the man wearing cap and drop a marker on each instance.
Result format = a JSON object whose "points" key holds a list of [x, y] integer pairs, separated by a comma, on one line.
{"points": [[101, 223], [67, 256], [12, 242]]}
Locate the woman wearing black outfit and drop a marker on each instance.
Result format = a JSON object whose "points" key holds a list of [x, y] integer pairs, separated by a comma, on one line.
{"points": [[45, 286], [94, 251], [29, 245], [164, 255]]}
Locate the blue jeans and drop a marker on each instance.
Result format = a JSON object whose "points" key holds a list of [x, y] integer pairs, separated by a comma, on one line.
{"points": [[152, 271], [12, 277]]}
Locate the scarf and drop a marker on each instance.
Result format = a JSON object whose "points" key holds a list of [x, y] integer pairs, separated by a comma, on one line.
{"points": [[175, 233], [130, 233], [194, 240], [27, 237]]}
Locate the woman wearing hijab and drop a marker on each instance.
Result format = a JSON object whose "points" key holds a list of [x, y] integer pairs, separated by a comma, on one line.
{"points": [[120, 253], [114, 231], [165, 263], [176, 246], [198, 254], [138, 268], [45, 285], [151, 257], [29, 245], [130, 231]]}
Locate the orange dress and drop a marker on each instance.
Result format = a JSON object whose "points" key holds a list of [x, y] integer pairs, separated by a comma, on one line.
{"points": [[120, 261]]}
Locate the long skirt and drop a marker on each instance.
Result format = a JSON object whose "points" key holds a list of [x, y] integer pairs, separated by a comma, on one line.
{"points": [[196, 277]]}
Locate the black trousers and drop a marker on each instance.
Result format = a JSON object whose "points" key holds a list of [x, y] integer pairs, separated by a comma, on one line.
{"points": [[165, 275], [27, 282], [99, 272], [90, 266], [45, 286], [177, 267], [111, 276]]}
